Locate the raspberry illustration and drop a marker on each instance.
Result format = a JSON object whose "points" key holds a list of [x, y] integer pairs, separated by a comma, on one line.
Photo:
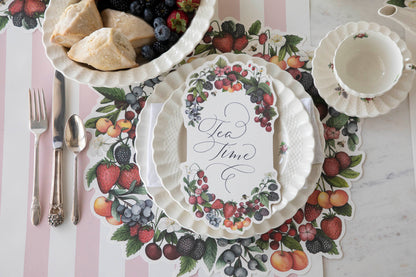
{"points": [[134, 230], [198, 250], [185, 245], [122, 154], [262, 38], [298, 217]]}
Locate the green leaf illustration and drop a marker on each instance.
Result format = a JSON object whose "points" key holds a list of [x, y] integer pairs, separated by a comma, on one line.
{"points": [[264, 199], [92, 174], [106, 109], [255, 28], [282, 53], [291, 243], [352, 142], [356, 160], [121, 234], [255, 190], [210, 253], [201, 48], [292, 40], [140, 189], [3, 21], [399, 3], [133, 245], [262, 244], [105, 101], [345, 210], [336, 181], [187, 265], [114, 212], [349, 173], [221, 63], [338, 121], [260, 265], [265, 88], [255, 248], [220, 261], [110, 151], [117, 94]]}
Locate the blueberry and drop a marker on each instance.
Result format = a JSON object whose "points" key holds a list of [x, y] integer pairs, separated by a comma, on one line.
{"points": [[137, 91], [273, 187], [141, 204], [149, 83], [240, 272], [273, 196], [146, 212], [156, 80], [130, 98], [333, 112], [132, 223], [148, 53], [264, 258], [264, 212], [229, 270], [211, 77], [125, 219], [237, 250], [344, 132], [135, 106], [136, 8], [120, 209], [252, 264], [151, 217], [222, 242], [170, 3], [228, 256], [127, 213], [148, 15], [352, 128], [148, 203], [258, 216], [135, 218], [143, 220], [158, 22], [135, 209], [246, 242], [162, 33], [208, 86]]}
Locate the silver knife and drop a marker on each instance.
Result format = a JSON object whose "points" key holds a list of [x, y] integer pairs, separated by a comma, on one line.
{"points": [[56, 211]]}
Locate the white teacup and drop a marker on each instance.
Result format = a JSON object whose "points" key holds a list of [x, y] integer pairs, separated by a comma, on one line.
{"points": [[368, 64]]}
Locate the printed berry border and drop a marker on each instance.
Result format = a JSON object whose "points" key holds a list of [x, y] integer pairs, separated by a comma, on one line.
{"points": [[144, 230], [22, 14]]}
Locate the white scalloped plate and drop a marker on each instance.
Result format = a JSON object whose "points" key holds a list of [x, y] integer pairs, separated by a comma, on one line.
{"points": [[293, 123], [83, 74], [332, 92], [161, 196]]}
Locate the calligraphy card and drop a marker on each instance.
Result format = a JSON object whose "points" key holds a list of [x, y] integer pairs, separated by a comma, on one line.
{"points": [[229, 112]]}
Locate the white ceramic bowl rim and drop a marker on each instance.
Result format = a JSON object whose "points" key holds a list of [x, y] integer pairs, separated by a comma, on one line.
{"points": [[387, 51]]}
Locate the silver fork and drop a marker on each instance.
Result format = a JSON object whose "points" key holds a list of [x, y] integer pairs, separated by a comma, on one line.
{"points": [[38, 123]]}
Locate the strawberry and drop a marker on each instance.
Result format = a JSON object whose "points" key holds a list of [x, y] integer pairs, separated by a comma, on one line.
{"points": [[223, 43], [237, 68], [129, 174], [298, 217], [188, 5], [312, 212], [107, 175], [177, 21], [146, 233], [217, 204], [134, 230], [33, 7], [268, 99], [331, 225], [229, 209], [16, 6], [240, 43]]}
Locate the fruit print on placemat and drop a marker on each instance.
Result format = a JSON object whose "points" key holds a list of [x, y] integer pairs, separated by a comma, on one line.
{"points": [[142, 229], [25, 14]]}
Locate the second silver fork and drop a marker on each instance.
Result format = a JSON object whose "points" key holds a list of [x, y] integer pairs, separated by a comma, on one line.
{"points": [[38, 123]]}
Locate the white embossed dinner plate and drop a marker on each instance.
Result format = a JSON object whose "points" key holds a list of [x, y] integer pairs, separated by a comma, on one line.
{"points": [[332, 92], [83, 74], [284, 210]]}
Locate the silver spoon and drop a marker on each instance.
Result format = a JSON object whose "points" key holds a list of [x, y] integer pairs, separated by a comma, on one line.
{"points": [[75, 140]]}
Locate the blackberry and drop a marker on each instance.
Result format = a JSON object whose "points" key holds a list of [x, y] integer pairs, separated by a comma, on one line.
{"points": [[325, 241], [137, 7], [313, 246], [211, 77], [122, 154], [253, 98], [161, 10], [162, 33], [120, 5], [150, 3], [148, 52], [29, 22], [208, 86], [174, 37], [239, 30], [185, 245], [306, 80], [199, 250], [160, 47], [148, 15], [273, 196], [228, 27], [170, 3], [18, 19]]}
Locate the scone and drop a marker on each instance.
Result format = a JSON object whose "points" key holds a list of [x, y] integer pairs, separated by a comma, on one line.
{"points": [[134, 28], [105, 49], [78, 21]]}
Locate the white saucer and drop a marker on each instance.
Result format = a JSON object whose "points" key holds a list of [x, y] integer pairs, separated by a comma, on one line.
{"points": [[335, 95]]}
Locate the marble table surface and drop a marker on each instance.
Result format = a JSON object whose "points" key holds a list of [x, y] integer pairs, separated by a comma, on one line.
{"points": [[380, 240]]}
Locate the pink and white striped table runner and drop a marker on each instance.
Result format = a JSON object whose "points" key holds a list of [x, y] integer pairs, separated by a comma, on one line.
{"points": [[84, 250]]}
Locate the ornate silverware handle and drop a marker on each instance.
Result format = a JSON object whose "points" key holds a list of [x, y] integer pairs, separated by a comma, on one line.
{"points": [[56, 211], [35, 197]]}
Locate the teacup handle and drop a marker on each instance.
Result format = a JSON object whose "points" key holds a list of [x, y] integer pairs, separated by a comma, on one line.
{"points": [[410, 66]]}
